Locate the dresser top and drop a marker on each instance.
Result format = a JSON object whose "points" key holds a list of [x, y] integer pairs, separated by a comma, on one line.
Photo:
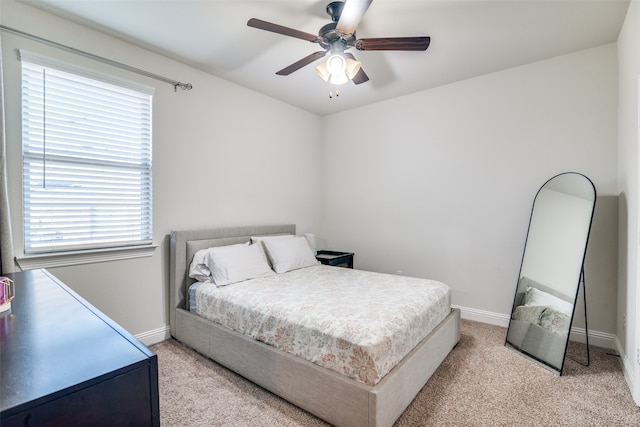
{"points": [[52, 340]]}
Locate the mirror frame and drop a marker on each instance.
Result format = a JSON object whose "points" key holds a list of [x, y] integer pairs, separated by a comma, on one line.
{"points": [[579, 279]]}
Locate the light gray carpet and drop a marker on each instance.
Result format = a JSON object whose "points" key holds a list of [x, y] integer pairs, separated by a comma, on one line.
{"points": [[481, 383]]}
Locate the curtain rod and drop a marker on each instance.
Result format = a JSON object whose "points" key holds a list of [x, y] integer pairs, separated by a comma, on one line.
{"points": [[174, 83]]}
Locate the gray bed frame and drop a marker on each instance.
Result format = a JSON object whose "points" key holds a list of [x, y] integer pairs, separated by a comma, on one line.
{"points": [[332, 397]]}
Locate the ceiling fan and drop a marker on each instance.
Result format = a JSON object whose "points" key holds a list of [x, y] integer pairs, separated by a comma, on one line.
{"points": [[338, 36]]}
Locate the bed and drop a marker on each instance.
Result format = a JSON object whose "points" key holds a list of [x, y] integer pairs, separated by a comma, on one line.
{"points": [[331, 395]]}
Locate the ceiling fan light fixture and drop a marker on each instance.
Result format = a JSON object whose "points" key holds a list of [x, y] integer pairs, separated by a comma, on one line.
{"points": [[339, 78], [353, 67], [338, 69], [336, 64], [323, 72]]}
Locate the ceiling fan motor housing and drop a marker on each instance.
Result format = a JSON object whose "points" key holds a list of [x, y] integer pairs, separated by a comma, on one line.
{"points": [[334, 10], [333, 41]]}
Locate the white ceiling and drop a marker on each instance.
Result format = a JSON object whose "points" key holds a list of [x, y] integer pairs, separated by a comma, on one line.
{"points": [[468, 38]]}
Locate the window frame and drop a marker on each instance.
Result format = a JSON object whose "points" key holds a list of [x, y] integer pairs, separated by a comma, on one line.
{"points": [[53, 256]]}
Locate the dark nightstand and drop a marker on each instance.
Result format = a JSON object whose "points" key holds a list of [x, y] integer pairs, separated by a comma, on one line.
{"points": [[337, 259]]}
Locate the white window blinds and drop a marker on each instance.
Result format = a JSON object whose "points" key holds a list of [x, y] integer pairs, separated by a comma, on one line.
{"points": [[86, 160]]}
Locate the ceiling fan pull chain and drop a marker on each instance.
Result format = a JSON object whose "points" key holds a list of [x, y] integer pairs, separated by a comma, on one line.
{"points": [[331, 91]]}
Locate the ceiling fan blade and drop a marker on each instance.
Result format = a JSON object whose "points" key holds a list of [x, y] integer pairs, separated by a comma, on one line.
{"points": [[394, 43], [279, 29], [301, 63], [361, 76], [351, 15]]}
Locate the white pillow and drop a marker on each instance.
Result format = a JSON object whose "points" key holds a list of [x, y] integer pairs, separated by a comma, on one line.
{"points": [[198, 269], [262, 239], [259, 240], [235, 263], [535, 296], [290, 254]]}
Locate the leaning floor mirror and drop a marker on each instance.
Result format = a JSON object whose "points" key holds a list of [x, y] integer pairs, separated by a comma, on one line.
{"points": [[552, 269]]}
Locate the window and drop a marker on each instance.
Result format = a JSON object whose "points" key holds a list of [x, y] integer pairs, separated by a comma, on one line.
{"points": [[86, 145]]}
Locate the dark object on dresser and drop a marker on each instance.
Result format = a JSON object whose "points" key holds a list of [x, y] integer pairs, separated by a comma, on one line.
{"points": [[65, 363]]}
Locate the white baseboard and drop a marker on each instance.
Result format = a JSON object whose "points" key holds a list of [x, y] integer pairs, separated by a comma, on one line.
{"points": [[597, 338], [627, 369], [155, 336], [483, 316]]}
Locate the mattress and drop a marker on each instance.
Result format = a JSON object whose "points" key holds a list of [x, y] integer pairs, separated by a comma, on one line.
{"points": [[191, 301], [357, 323]]}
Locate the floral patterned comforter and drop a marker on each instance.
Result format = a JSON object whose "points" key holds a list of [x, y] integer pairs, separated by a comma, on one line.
{"points": [[357, 323]]}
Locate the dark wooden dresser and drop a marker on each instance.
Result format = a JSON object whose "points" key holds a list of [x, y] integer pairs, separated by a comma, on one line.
{"points": [[64, 363]]}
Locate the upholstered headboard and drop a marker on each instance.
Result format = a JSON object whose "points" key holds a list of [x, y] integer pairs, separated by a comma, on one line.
{"points": [[185, 243]]}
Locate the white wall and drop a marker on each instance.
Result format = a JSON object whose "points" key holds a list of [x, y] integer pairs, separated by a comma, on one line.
{"points": [[222, 155], [628, 123], [440, 183]]}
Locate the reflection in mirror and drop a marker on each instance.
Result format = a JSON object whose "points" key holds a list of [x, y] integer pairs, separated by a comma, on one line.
{"points": [[551, 269]]}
